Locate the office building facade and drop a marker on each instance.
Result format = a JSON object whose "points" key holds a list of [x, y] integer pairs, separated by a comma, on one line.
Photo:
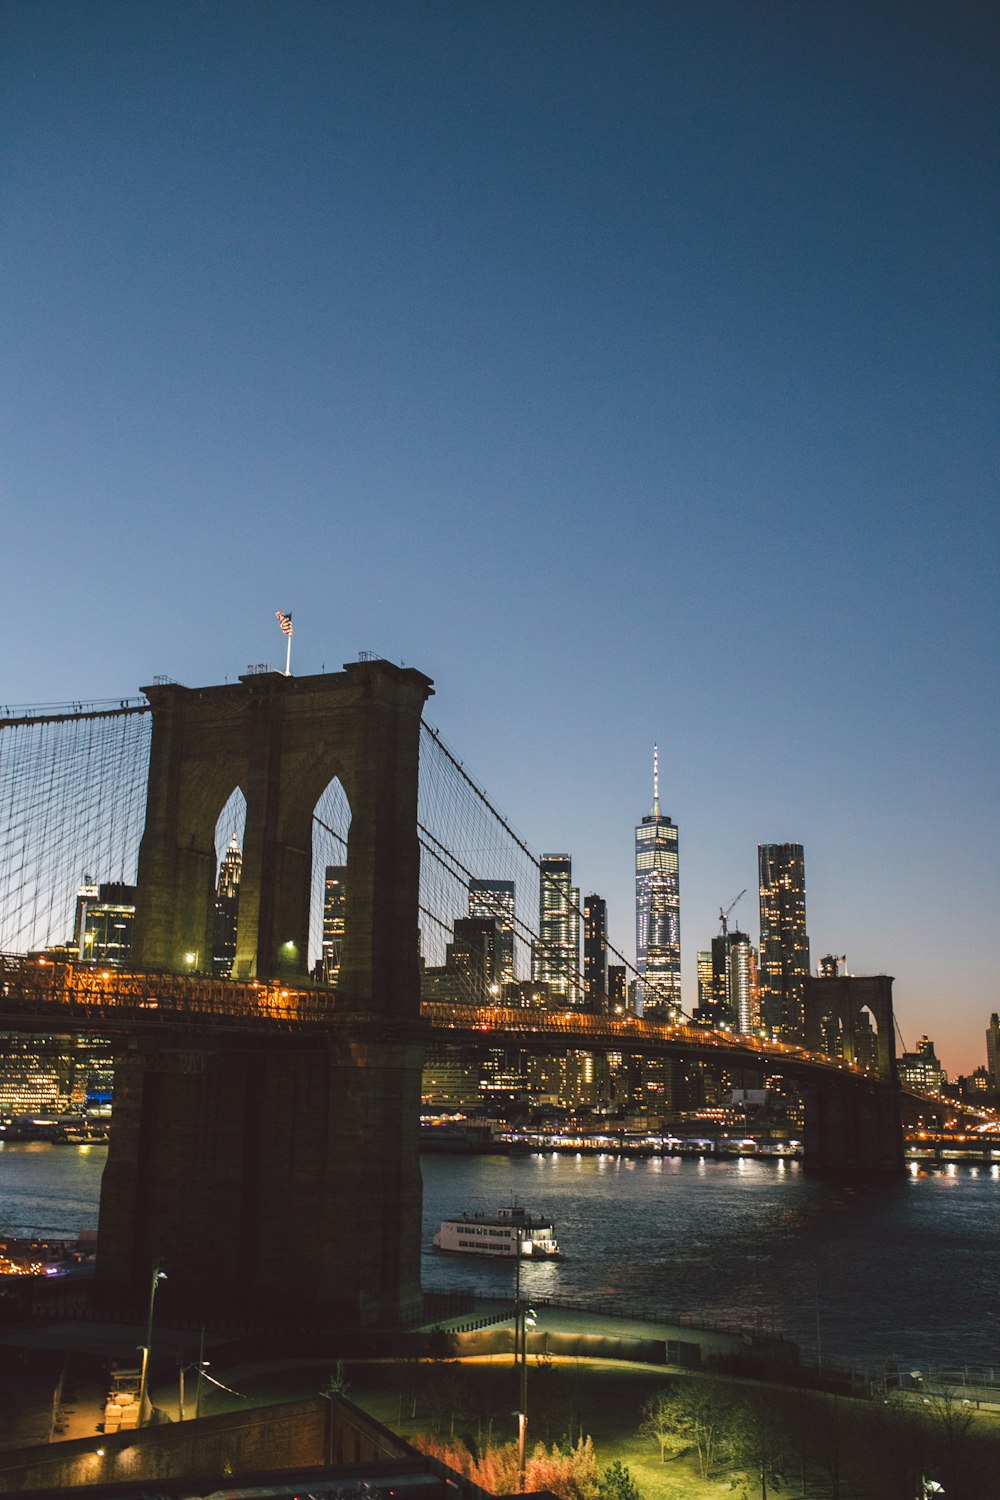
{"points": [[334, 921], [555, 960], [993, 1052], [494, 900], [105, 916], [595, 954], [784, 942]]}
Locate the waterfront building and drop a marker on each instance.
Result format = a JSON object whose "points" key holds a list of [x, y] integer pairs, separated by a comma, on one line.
{"points": [[657, 911], [921, 1069], [595, 953], [784, 943], [451, 1078], [54, 1074], [555, 959], [334, 921], [494, 899], [574, 1080], [227, 911], [993, 1051]]}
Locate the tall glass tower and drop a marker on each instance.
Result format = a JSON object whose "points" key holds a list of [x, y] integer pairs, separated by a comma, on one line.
{"points": [[555, 959], [784, 942], [657, 911]]}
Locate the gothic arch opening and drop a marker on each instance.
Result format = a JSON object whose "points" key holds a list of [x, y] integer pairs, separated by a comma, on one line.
{"points": [[329, 897], [865, 1029]]}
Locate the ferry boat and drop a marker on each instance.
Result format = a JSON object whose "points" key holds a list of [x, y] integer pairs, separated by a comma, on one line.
{"points": [[502, 1233]]}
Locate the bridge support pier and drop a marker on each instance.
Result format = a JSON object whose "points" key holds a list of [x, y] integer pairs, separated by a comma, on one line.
{"points": [[279, 1178], [853, 1128]]}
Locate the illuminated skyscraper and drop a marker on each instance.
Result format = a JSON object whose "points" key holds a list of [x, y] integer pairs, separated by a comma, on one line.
{"points": [[744, 988], [227, 911], [714, 1007], [993, 1052], [495, 899], [784, 943], [595, 953], [334, 921], [617, 988], [657, 910], [555, 959], [104, 919]]}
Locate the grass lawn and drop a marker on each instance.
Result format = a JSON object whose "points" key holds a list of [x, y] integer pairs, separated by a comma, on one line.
{"points": [[602, 1399]]}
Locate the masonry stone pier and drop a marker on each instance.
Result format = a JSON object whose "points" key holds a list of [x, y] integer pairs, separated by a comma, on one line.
{"points": [[271, 1172], [855, 1127]]}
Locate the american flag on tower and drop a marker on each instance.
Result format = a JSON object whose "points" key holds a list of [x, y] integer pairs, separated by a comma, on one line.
{"points": [[285, 621]]}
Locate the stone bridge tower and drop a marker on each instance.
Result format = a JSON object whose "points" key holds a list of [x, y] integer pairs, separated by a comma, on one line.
{"points": [[277, 1172]]}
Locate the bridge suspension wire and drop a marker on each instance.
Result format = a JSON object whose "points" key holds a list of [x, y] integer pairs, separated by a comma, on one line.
{"points": [[72, 800]]}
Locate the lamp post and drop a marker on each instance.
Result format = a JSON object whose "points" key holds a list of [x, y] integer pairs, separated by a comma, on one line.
{"points": [[158, 1275], [524, 1318]]}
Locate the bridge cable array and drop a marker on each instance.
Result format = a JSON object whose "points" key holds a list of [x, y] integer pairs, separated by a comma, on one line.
{"points": [[72, 803]]}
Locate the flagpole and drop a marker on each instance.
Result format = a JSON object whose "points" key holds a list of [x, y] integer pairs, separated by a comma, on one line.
{"points": [[285, 625]]}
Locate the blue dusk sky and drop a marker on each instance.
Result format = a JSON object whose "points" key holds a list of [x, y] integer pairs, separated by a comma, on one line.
{"points": [[626, 367]]}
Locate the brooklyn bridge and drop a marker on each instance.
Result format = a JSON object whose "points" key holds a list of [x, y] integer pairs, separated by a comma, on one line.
{"points": [[266, 1125]]}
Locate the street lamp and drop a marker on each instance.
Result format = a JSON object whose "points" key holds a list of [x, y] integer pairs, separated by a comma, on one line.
{"points": [[527, 1320], [158, 1275], [524, 1318]]}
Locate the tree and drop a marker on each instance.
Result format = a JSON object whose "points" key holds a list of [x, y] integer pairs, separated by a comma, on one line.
{"points": [[661, 1419], [704, 1415], [951, 1419], [759, 1438], [616, 1483], [696, 1412], [827, 1430]]}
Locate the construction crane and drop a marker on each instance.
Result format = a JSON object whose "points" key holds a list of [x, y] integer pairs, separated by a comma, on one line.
{"points": [[724, 915]]}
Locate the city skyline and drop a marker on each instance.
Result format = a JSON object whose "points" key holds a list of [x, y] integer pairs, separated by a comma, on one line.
{"points": [[629, 372]]}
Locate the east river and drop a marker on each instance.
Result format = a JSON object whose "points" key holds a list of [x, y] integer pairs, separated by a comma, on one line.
{"points": [[907, 1270]]}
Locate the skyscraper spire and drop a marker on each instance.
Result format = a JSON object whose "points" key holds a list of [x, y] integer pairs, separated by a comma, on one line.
{"points": [[656, 781]]}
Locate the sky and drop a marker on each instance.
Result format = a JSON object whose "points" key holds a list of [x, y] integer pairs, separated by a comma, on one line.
{"points": [[628, 368]]}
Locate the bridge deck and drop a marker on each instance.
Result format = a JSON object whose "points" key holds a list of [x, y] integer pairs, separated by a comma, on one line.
{"points": [[38, 994]]}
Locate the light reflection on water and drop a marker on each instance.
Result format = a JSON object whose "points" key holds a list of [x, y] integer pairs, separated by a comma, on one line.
{"points": [[50, 1189], [907, 1269]]}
